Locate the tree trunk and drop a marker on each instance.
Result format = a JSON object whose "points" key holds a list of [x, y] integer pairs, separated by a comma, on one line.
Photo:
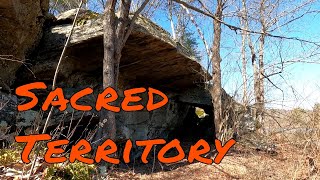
{"points": [[107, 124], [260, 95], [244, 65], [256, 82], [256, 86], [116, 33], [216, 60], [171, 21]]}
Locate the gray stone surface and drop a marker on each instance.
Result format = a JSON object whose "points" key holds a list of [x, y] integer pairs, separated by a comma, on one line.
{"points": [[150, 59], [150, 125], [150, 55], [8, 114], [196, 95]]}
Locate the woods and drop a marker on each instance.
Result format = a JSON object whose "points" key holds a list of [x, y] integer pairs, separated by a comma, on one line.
{"points": [[181, 71], [118, 24]]}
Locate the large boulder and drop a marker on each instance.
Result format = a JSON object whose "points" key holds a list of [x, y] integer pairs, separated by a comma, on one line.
{"points": [[21, 28], [150, 58]]}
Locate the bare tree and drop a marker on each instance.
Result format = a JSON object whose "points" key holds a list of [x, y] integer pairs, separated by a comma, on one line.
{"points": [[173, 30], [260, 96], [255, 65], [216, 75], [116, 33], [244, 35], [269, 19], [216, 91], [200, 32]]}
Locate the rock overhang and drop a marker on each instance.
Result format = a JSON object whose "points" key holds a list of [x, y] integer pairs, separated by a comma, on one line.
{"points": [[149, 58]]}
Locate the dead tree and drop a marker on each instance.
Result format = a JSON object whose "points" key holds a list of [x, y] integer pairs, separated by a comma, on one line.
{"points": [[268, 20], [173, 30], [255, 65]]}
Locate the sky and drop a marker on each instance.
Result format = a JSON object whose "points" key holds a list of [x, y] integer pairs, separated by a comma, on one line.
{"points": [[302, 85], [299, 83]]}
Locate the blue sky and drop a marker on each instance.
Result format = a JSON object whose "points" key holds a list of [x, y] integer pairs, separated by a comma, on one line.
{"points": [[299, 82], [302, 84]]}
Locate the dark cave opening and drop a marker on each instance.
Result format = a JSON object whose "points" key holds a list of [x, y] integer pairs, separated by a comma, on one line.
{"points": [[194, 128]]}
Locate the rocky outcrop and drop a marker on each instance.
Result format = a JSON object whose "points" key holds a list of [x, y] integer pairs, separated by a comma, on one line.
{"points": [[21, 24], [150, 58]]}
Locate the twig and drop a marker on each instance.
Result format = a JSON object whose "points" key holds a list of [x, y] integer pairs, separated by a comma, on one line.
{"points": [[135, 16], [235, 28], [154, 158], [54, 83], [4, 57]]}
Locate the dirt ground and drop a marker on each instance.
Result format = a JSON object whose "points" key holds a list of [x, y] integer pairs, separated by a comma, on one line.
{"points": [[241, 163], [296, 155], [295, 135]]}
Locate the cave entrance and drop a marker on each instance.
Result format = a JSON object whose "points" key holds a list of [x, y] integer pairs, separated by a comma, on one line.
{"points": [[197, 125]]}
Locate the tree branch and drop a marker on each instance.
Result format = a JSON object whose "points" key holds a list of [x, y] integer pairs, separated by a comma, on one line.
{"points": [[235, 28], [54, 84], [133, 19]]}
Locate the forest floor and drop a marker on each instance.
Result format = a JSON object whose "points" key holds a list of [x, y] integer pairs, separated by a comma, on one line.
{"points": [[295, 134], [241, 163]]}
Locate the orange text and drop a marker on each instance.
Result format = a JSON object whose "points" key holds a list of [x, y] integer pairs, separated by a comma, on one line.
{"points": [[105, 99], [56, 154]]}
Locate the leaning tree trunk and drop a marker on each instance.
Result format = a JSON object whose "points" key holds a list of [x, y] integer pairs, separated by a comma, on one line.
{"points": [[216, 59]]}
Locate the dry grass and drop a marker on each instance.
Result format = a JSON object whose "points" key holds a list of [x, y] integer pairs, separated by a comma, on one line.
{"points": [[241, 163], [296, 135]]}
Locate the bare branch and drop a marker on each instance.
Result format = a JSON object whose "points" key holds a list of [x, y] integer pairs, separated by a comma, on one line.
{"points": [[133, 19], [199, 31], [235, 28], [54, 84], [5, 58]]}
